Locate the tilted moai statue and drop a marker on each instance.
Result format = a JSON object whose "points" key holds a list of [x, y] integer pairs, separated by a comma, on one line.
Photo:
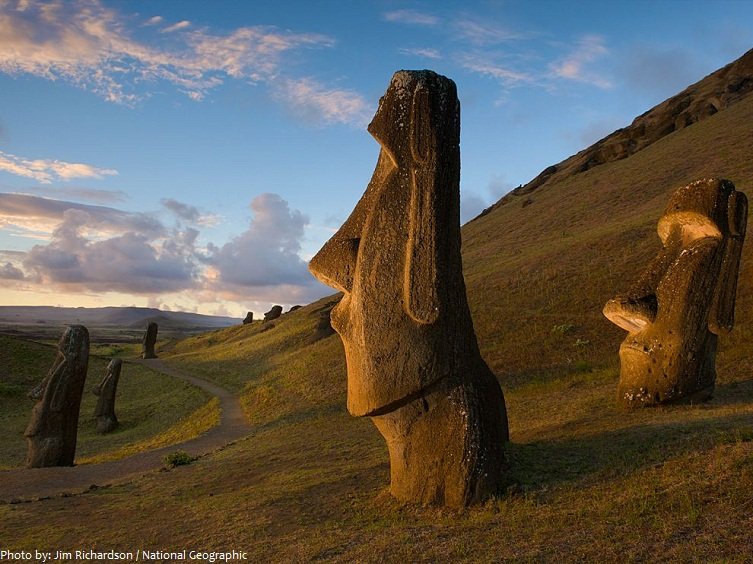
{"points": [[273, 313], [249, 318], [413, 362], [684, 299], [106, 390], [150, 339], [52, 431]]}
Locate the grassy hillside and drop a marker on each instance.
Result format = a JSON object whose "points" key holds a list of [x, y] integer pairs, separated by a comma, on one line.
{"points": [[153, 409]]}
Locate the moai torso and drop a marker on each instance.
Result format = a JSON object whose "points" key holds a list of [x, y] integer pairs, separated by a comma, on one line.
{"points": [[684, 299], [106, 390], [150, 339], [411, 352]]}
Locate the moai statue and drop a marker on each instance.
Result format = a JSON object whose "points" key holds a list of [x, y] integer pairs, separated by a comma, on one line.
{"points": [[684, 299], [273, 313], [105, 412], [413, 362], [51, 434], [150, 338], [249, 318]]}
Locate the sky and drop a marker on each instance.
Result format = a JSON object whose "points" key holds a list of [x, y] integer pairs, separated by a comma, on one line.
{"points": [[195, 155]]}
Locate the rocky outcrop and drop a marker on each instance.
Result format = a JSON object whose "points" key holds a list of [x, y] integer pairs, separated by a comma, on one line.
{"points": [[714, 93]]}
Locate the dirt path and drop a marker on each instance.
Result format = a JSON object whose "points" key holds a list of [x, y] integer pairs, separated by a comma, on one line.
{"points": [[38, 483]]}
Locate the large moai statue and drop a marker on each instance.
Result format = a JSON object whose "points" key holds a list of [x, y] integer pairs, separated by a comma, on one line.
{"points": [[684, 299], [413, 362], [150, 339], [106, 390], [52, 431]]}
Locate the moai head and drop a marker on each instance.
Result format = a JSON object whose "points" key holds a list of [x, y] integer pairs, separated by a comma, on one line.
{"points": [[684, 299], [412, 357], [52, 430], [150, 339], [397, 257], [106, 390]]}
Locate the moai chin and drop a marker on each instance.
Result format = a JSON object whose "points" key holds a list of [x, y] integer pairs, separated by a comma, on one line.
{"points": [[150, 339], [52, 431], [413, 362], [106, 390], [684, 299]]}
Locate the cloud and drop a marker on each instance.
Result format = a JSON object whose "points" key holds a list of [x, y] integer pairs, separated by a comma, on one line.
{"points": [[183, 211], [478, 63], [89, 194], [88, 45], [10, 272], [46, 170], [484, 33], [658, 71], [131, 262], [318, 104], [265, 256], [177, 26], [424, 52], [471, 204], [154, 20], [574, 65], [499, 186], [35, 213], [410, 17]]}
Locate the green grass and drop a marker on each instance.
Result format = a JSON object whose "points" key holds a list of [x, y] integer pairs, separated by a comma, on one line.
{"points": [[153, 409]]}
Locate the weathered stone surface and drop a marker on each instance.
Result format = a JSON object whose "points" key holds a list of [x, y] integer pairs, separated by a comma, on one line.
{"points": [[106, 390], [412, 356], [52, 431], [273, 313], [249, 318], [684, 299], [150, 339]]}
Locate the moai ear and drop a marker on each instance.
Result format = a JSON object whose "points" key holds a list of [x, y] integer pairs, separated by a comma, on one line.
{"points": [[722, 315], [420, 291]]}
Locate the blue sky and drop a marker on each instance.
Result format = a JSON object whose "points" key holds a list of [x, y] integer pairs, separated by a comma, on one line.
{"points": [[194, 155]]}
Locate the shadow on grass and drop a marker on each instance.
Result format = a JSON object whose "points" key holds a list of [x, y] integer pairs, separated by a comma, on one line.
{"points": [[624, 451]]}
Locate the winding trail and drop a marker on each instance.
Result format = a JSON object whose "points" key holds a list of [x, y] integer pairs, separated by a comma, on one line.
{"points": [[31, 484]]}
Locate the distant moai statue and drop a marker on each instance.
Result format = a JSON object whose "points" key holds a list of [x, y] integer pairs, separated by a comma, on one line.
{"points": [[150, 339], [684, 299], [249, 318], [52, 431], [273, 313], [413, 361], [294, 308], [106, 390]]}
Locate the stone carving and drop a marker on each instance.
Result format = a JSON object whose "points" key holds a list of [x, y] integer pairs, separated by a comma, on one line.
{"points": [[52, 430], [684, 299], [249, 318], [150, 339], [413, 361], [105, 412], [273, 313]]}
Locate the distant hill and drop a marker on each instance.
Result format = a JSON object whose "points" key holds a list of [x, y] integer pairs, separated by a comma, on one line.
{"points": [[130, 317]]}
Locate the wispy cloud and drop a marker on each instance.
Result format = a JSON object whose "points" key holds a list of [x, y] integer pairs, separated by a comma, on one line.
{"points": [[411, 17], [477, 63], [93, 195], [424, 52], [574, 66], [46, 170], [154, 20], [484, 33], [87, 44], [317, 103], [176, 26]]}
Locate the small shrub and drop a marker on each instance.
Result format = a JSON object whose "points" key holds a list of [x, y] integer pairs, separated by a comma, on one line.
{"points": [[563, 329], [178, 458]]}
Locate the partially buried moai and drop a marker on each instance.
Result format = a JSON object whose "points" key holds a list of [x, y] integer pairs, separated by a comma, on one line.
{"points": [[684, 299], [413, 362], [150, 339], [52, 432], [106, 390]]}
